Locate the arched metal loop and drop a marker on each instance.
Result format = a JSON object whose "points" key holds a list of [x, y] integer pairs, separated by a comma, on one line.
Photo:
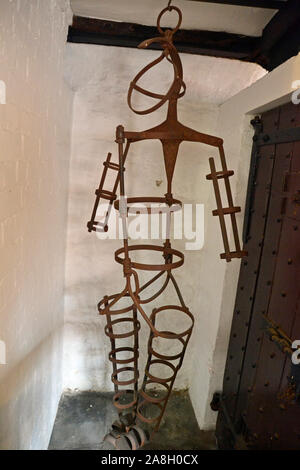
{"points": [[172, 56], [169, 8]]}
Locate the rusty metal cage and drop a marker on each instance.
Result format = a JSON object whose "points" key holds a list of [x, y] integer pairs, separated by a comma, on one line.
{"points": [[136, 423]]}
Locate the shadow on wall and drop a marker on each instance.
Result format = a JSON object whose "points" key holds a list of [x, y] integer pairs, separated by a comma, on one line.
{"points": [[25, 392]]}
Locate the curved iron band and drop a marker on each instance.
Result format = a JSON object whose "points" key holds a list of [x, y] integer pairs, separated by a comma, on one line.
{"points": [[164, 99], [137, 304], [141, 434], [154, 296], [106, 310], [112, 335], [174, 206], [152, 267], [157, 294], [169, 381], [150, 399], [124, 406], [163, 356], [158, 379], [169, 49], [134, 444], [143, 418], [171, 335], [153, 279], [115, 380], [116, 297], [113, 358]]}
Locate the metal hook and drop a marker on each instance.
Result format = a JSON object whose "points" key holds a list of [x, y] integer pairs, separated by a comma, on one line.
{"points": [[169, 5]]}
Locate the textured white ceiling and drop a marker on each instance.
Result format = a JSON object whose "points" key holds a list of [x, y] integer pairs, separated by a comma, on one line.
{"points": [[196, 15]]}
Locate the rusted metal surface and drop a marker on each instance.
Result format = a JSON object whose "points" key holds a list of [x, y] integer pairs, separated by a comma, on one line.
{"points": [[133, 405]]}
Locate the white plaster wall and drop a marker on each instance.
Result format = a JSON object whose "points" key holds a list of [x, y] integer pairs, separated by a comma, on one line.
{"points": [[196, 15], [34, 158], [100, 76], [234, 127]]}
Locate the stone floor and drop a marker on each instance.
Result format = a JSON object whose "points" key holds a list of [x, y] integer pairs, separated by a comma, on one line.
{"points": [[84, 418]]}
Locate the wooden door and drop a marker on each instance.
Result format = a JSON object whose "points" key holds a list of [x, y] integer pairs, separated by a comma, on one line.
{"points": [[259, 406]]}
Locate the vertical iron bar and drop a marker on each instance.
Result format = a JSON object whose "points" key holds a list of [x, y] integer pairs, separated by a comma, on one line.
{"points": [[220, 209], [230, 199]]}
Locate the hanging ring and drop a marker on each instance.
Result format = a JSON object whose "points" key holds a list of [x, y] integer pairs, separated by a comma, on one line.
{"points": [[169, 8]]}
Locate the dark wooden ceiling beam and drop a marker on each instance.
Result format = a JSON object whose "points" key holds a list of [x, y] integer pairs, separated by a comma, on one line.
{"points": [[111, 33], [281, 36], [280, 39], [269, 4]]}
